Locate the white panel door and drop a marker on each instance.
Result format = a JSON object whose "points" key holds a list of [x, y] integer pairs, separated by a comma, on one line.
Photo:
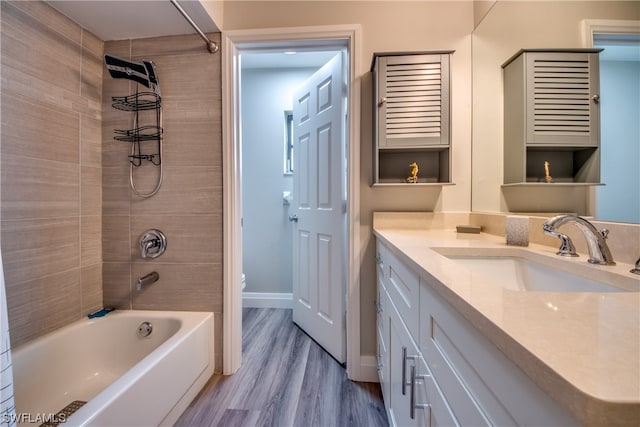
{"points": [[317, 214]]}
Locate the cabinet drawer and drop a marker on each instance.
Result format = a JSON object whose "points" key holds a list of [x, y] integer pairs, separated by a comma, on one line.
{"points": [[403, 354], [445, 361], [403, 286], [437, 412], [481, 385], [383, 327]]}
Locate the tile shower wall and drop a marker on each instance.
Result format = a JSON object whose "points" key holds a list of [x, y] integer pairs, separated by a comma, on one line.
{"points": [[188, 207], [50, 151]]}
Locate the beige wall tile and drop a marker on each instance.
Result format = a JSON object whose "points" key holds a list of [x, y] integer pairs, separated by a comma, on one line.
{"points": [[90, 140], [35, 47], [90, 240], [91, 287], [196, 190], [36, 248], [116, 243], [42, 305], [190, 239], [42, 13], [115, 190], [38, 131], [90, 190], [190, 287], [35, 188], [50, 203], [193, 142], [92, 67], [116, 289]]}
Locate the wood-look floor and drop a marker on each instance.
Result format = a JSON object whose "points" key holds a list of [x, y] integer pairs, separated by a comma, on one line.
{"points": [[286, 379]]}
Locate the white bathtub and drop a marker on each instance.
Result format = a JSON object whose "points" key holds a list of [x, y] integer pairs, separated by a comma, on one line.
{"points": [[127, 380]]}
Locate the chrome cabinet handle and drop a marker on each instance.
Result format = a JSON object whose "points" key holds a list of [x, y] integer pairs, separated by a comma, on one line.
{"points": [[379, 260], [405, 357], [412, 398], [293, 218], [596, 99]]}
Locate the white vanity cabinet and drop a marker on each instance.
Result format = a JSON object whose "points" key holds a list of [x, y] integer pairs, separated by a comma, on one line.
{"points": [[440, 371], [411, 396]]}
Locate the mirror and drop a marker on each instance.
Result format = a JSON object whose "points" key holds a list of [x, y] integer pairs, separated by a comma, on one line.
{"points": [[507, 27]]}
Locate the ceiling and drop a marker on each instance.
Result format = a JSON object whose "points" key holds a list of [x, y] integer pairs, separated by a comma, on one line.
{"points": [[132, 19]]}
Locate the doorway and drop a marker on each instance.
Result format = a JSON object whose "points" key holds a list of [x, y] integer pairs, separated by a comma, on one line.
{"points": [[267, 83], [278, 40], [619, 199]]}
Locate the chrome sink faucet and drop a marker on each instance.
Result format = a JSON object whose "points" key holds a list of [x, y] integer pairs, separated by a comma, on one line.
{"points": [[599, 252]]}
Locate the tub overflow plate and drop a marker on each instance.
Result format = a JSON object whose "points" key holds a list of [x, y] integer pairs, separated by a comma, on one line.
{"points": [[145, 329]]}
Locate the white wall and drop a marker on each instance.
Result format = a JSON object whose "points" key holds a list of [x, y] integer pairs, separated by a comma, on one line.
{"points": [[266, 232], [619, 199]]}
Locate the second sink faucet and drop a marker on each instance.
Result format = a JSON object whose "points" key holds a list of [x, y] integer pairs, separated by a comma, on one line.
{"points": [[599, 252]]}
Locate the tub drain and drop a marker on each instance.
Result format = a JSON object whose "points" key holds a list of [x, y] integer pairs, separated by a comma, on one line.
{"points": [[145, 329], [62, 416]]}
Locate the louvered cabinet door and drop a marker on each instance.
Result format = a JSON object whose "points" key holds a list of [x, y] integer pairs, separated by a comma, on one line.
{"points": [[413, 100], [562, 98]]}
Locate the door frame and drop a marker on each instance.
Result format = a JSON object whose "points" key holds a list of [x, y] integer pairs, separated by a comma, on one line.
{"points": [[233, 42]]}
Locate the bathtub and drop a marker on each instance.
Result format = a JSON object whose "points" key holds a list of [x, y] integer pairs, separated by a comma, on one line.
{"points": [[125, 378]]}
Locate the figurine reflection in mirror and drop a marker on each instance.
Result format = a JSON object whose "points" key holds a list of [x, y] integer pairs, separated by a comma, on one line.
{"points": [[547, 176]]}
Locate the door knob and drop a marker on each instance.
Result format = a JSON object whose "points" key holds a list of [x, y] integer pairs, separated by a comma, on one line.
{"points": [[293, 218]]}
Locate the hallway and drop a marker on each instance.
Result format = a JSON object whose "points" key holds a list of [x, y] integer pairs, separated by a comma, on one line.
{"points": [[286, 379]]}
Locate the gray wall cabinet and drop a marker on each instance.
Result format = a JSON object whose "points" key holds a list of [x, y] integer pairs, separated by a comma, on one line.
{"points": [[412, 114], [552, 114]]}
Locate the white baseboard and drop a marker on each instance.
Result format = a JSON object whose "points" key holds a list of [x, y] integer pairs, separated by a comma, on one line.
{"points": [[368, 369], [267, 300]]}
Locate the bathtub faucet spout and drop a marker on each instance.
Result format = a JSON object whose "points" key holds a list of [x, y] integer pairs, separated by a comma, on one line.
{"points": [[147, 280]]}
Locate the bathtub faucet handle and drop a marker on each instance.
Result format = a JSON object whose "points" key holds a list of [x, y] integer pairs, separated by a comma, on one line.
{"points": [[153, 243]]}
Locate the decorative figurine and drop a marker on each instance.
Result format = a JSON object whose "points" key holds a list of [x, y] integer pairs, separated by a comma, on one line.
{"points": [[413, 178], [547, 177]]}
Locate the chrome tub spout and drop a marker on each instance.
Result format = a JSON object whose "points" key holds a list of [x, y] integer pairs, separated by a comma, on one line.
{"points": [[147, 280]]}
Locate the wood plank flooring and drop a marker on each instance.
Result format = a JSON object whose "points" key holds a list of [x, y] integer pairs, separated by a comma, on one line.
{"points": [[286, 379]]}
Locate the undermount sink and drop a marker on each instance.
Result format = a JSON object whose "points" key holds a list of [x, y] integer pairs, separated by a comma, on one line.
{"points": [[522, 270]]}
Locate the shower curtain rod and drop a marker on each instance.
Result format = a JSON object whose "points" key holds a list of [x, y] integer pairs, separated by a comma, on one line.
{"points": [[211, 46]]}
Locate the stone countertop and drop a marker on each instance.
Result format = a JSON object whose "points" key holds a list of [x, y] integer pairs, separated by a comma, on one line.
{"points": [[581, 348]]}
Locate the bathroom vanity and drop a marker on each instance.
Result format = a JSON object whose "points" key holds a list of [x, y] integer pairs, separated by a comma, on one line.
{"points": [[459, 347]]}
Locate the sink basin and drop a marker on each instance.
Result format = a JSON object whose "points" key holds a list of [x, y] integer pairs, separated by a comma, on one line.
{"points": [[518, 270]]}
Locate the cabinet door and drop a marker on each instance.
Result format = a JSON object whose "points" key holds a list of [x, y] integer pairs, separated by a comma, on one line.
{"points": [[563, 98], [382, 354], [403, 286], [412, 100], [430, 407], [403, 354]]}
